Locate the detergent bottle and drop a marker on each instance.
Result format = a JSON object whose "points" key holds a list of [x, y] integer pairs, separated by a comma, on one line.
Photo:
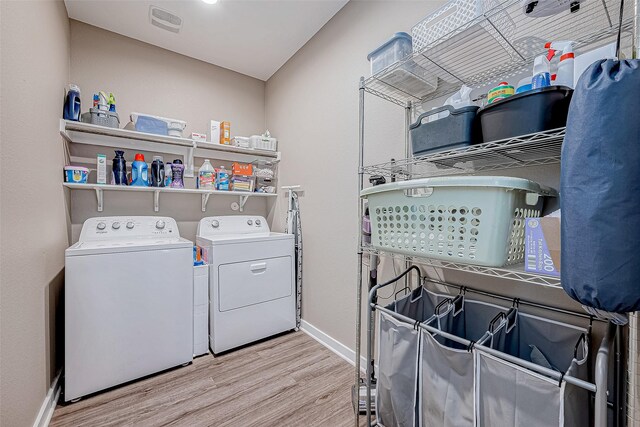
{"points": [[565, 66], [139, 171], [541, 72], [177, 170], [71, 109]]}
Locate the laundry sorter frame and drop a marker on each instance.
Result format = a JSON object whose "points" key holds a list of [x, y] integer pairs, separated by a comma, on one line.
{"points": [[538, 149]]}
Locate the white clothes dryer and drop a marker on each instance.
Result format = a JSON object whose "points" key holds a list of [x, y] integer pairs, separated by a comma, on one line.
{"points": [[128, 302], [251, 280]]}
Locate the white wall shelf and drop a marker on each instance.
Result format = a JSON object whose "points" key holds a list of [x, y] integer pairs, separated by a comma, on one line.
{"points": [[93, 135], [205, 194]]}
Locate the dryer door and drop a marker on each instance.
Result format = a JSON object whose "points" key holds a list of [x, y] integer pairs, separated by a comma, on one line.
{"points": [[248, 283]]}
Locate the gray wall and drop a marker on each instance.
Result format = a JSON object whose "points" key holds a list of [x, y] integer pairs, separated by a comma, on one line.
{"points": [[35, 70], [312, 106], [149, 79]]}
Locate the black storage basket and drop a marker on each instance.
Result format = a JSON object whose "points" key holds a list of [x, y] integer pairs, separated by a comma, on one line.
{"points": [[459, 129], [528, 112]]}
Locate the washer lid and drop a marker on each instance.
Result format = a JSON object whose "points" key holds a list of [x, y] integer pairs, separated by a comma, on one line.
{"points": [[244, 238], [95, 247]]}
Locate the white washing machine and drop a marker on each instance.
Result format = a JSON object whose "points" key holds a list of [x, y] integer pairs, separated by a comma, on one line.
{"points": [[251, 280], [128, 302]]}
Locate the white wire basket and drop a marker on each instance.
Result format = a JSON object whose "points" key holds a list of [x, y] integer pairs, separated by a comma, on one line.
{"points": [[467, 219], [457, 15]]}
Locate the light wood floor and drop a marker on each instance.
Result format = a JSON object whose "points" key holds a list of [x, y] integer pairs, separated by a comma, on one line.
{"points": [[288, 381]]}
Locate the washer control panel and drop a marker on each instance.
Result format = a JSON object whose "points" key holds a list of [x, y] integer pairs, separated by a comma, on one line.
{"points": [[130, 226], [233, 224]]}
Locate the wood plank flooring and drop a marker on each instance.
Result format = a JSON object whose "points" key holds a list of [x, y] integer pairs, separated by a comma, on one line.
{"points": [[290, 380]]}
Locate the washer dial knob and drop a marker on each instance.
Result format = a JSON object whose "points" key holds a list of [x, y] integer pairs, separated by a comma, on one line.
{"points": [[215, 223], [258, 222], [160, 224], [130, 225], [249, 222], [115, 225], [101, 226]]}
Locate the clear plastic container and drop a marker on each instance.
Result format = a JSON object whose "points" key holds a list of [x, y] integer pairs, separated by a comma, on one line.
{"points": [[396, 48]]}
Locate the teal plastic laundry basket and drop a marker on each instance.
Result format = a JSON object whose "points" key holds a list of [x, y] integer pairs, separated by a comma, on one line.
{"points": [[467, 219]]}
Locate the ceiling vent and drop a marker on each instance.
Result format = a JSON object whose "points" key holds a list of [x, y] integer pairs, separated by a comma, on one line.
{"points": [[164, 19]]}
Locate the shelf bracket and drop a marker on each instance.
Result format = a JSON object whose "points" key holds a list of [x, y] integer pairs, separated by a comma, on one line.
{"points": [[100, 198], [205, 200], [156, 201], [243, 200]]}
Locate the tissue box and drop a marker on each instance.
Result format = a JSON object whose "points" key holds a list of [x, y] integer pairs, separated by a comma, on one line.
{"points": [[199, 137], [542, 246]]}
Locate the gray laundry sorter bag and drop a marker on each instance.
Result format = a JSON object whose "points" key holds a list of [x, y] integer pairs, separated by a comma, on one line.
{"points": [[446, 386], [507, 394], [447, 369], [398, 346]]}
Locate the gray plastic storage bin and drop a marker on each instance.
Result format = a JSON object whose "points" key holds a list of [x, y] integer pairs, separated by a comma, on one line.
{"points": [[99, 117], [460, 128], [467, 219]]}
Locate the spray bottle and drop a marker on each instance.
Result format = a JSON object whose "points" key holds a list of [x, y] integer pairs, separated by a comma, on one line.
{"points": [[541, 72], [565, 66]]}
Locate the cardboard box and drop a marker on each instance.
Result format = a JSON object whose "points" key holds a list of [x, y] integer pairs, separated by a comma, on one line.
{"points": [[198, 137], [225, 133], [214, 130], [242, 169], [542, 246]]}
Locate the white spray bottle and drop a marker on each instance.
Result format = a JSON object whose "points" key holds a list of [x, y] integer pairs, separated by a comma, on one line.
{"points": [[565, 66]]}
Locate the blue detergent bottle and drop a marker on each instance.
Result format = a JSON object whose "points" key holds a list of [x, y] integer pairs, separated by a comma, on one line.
{"points": [[71, 109], [139, 171]]}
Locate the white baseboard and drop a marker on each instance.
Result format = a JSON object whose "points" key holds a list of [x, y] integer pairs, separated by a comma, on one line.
{"points": [[49, 403], [332, 344]]}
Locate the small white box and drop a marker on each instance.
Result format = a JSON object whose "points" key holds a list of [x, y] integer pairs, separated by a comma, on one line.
{"points": [[102, 169], [198, 137], [215, 132], [241, 141]]}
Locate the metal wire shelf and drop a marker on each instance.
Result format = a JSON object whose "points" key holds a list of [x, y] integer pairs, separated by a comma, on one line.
{"points": [[535, 149], [494, 46], [514, 272]]}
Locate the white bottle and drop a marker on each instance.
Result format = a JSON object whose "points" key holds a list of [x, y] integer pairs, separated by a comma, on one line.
{"points": [[566, 64], [206, 176]]}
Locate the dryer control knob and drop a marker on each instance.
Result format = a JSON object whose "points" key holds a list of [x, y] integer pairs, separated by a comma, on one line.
{"points": [[101, 226], [249, 222], [115, 225], [258, 222], [160, 224], [130, 225], [215, 223]]}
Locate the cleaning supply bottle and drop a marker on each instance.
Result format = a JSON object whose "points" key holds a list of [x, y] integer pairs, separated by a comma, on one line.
{"points": [[112, 102], [206, 176], [157, 172], [168, 175], [71, 109], [139, 171], [222, 179], [177, 169], [566, 64], [119, 169], [541, 72]]}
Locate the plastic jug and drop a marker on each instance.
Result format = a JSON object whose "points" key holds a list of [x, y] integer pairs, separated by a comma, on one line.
{"points": [[177, 169], [119, 169], [72, 104], [139, 171], [206, 176], [157, 172]]}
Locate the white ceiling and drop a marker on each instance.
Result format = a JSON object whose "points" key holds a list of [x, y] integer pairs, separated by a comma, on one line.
{"points": [[252, 37]]}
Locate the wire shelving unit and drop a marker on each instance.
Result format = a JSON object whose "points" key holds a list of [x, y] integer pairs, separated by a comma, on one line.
{"points": [[498, 44]]}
